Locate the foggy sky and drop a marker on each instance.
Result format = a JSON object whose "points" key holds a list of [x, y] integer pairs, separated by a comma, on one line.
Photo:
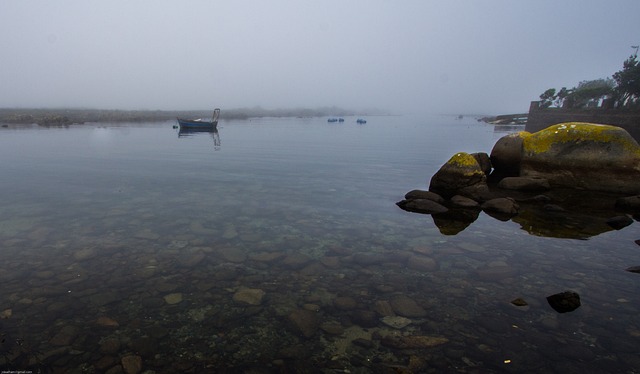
{"points": [[484, 57]]}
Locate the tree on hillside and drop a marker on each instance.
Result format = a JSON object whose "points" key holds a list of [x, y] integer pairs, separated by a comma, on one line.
{"points": [[586, 93], [547, 98], [628, 83], [589, 92]]}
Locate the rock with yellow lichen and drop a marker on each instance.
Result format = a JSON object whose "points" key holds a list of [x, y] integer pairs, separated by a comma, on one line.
{"points": [[584, 156], [601, 160], [461, 175]]}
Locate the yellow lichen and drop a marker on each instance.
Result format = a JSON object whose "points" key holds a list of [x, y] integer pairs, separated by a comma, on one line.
{"points": [[542, 140], [466, 163], [463, 159]]}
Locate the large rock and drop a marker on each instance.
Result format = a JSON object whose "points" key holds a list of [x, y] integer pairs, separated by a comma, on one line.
{"points": [[584, 156], [484, 161], [524, 184], [507, 154], [631, 203], [461, 175], [501, 208], [463, 202]]}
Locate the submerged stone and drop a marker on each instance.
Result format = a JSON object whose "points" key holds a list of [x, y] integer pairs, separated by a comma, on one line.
{"points": [[251, 296], [412, 342], [396, 322], [407, 307], [519, 302], [107, 322], [304, 322], [421, 263], [496, 271], [65, 336], [173, 298], [131, 364]]}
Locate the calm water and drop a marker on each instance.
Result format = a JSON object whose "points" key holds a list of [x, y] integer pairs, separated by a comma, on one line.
{"points": [[275, 245]]}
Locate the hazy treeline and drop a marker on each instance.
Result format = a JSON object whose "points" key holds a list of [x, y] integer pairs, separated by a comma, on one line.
{"points": [[71, 116]]}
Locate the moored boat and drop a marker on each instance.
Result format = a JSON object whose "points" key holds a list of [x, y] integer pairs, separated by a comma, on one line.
{"points": [[199, 123]]}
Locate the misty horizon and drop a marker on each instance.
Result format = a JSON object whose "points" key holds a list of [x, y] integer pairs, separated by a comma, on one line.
{"points": [[414, 57]]}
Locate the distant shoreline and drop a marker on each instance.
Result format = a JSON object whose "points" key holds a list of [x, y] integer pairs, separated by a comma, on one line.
{"points": [[63, 117]]}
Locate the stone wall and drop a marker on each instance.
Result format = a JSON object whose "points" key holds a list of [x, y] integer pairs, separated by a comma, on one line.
{"points": [[540, 118]]}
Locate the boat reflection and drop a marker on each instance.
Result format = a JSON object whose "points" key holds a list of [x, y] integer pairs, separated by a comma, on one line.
{"points": [[215, 135]]}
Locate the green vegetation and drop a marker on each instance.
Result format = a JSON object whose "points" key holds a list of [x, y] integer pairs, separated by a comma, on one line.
{"points": [[628, 83], [622, 90]]}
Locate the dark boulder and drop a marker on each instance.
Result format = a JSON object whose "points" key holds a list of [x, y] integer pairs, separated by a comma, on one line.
{"points": [[501, 205], [619, 222], [564, 302], [484, 161], [507, 153], [463, 202], [422, 206], [420, 194]]}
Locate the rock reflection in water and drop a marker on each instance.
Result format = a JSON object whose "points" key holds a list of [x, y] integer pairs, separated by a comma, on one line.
{"points": [[574, 215], [454, 221]]}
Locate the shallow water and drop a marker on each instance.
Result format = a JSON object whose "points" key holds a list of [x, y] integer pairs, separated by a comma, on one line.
{"points": [[276, 244]]}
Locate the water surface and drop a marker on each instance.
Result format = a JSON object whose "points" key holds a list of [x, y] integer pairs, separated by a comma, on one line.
{"points": [[277, 244]]}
